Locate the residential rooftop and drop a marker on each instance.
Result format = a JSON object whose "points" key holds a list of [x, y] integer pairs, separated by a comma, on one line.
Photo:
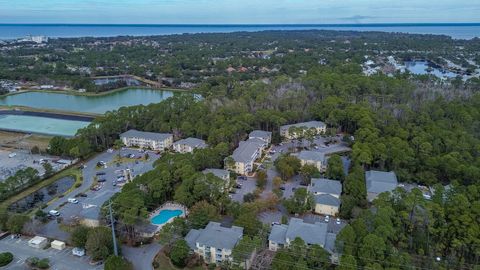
{"points": [[192, 142], [310, 233], [260, 134], [323, 185], [327, 199], [215, 235], [309, 124], [311, 155], [378, 181], [246, 150], [132, 133], [220, 173]]}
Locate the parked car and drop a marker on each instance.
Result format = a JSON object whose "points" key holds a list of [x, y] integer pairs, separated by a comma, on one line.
{"points": [[338, 221], [101, 180], [242, 178], [54, 213], [327, 219], [100, 173], [282, 188], [78, 252], [232, 192], [72, 200]]}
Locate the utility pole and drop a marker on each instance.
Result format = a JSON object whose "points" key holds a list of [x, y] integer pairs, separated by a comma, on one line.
{"points": [[115, 250]]}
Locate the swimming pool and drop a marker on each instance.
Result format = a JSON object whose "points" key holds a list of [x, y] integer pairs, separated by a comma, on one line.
{"points": [[165, 215]]}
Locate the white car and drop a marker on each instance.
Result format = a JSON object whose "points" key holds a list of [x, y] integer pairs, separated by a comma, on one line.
{"points": [[327, 219], [72, 200], [338, 221], [78, 252], [54, 213]]}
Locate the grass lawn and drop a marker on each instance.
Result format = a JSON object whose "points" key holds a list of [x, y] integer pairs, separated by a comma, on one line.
{"points": [[73, 171]]}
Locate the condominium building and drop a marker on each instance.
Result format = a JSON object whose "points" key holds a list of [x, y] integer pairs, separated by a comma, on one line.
{"points": [[314, 158], [245, 155], [147, 140], [378, 182], [326, 193], [294, 131], [214, 243], [188, 145]]}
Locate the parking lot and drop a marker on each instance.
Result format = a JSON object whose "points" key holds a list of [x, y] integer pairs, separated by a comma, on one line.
{"points": [[89, 204], [13, 161], [59, 259], [247, 186]]}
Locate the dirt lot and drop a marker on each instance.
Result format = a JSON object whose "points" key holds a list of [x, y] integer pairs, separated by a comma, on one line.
{"points": [[23, 141]]}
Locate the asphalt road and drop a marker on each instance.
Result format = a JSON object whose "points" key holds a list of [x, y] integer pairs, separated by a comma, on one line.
{"points": [[141, 257], [59, 260]]}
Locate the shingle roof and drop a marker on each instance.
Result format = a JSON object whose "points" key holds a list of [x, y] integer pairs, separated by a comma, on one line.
{"points": [[192, 142], [310, 124], [245, 151], [322, 185], [278, 234], [310, 233], [220, 173], [260, 134], [378, 182], [214, 235], [311, 155], [327, 199], [132, 133]]}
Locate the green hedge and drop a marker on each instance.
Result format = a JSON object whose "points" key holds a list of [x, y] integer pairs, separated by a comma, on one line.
{"points": [[5, 258]]}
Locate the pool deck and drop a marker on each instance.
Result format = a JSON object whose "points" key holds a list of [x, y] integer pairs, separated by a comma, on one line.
{"points": [[169, 206]]}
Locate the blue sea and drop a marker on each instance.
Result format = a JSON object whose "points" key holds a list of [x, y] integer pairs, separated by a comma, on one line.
{"points": [[12, 31]]}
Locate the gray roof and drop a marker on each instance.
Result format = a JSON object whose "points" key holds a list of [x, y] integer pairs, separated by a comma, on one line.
{"points": [[192, 142], [308, 232], [220, 173], [246, 150], [278, 234], [322, 185], [260, 134], [215, 235], [132, 133], [378, 182], [327, 199], [311, 155], [310, 124]]}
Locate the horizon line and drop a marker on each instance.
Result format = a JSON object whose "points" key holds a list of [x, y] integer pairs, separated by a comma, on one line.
{"points": [[246, 24]]}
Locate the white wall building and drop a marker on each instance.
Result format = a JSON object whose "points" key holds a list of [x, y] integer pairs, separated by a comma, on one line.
{"points": [[214, 243], [147, 140], [188, 145], [317, 126], [326, 193]]}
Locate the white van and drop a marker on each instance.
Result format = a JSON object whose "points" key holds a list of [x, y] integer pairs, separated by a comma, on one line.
{"points": [[78, 252], [72, 200], [54, 213]]}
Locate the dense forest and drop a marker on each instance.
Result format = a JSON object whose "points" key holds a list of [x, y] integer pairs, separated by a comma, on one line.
{"points": [[425, 130]]}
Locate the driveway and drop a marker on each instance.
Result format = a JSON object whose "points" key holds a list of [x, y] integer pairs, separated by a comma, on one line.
{"points": [[141, 257], [59, 259], [248, 186]]}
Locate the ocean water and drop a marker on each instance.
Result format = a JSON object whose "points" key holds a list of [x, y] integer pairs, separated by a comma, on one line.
{"points": [[12, 31]]}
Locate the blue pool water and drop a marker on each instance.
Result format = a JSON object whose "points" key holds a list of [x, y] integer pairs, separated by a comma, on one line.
{"points": [[165, 215]]}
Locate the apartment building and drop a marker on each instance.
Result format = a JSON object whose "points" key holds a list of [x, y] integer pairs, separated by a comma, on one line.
{"points": [[147, 140]]}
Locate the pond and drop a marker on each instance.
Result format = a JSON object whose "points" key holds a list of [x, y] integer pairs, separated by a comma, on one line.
{"points": [[98, 104], [43, 195], [41, 125], [424, 67]]}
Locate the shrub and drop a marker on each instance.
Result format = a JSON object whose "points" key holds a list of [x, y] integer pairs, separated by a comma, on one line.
{"points": [[117, 263], [5, 258], [77, 185]]}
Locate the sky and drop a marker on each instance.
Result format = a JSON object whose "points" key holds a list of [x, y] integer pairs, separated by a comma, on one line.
{"points": [[239, 11]]}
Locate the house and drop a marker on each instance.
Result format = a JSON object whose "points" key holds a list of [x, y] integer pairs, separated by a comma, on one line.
{"points": [[288, 132], [311, 233], [220, 173], [187, 145], [378, 182], [316, 159], [245, 155], [326, 193], [214, 243], [265, 136], [150, 140]]}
